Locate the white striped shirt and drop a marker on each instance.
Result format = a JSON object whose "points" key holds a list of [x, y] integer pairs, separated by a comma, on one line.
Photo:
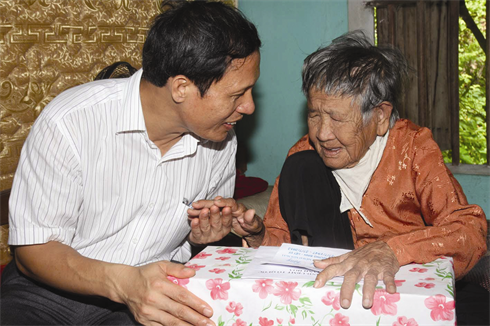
{"points": [[90, 177]]}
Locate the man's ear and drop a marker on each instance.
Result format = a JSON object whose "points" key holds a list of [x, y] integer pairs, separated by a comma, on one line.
{"points": [[180, 88], [383, 112]]}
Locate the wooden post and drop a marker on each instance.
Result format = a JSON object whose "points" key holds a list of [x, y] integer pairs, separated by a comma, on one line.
{"points": [[487, 82], [4, 206], [453, 76], [421, 65], [391, 23]]}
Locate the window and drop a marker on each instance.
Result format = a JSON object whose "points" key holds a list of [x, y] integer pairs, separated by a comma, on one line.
{"points": [[427, 32]]}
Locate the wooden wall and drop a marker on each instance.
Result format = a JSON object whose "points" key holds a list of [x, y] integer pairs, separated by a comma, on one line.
{"points": [[48, 46], [424, 32]]}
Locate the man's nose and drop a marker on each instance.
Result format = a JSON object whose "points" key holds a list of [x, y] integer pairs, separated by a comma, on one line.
{"points": [[248, 106]]}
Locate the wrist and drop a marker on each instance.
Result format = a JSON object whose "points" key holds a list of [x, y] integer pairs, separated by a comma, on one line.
{"points": [[195, 244], [116, 277], [254, 239], [261, 228]]}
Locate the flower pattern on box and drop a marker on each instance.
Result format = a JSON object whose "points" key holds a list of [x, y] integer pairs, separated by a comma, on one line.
{"points": [[384, 303], [263, 287], [440, 309], [332, 298], [179, 281], [219, 289], [235, 308], [239, 322], [195, 267], [339, 319], [217, 270], [287, 291], [425, 285], [424, 295], [404, 321]]}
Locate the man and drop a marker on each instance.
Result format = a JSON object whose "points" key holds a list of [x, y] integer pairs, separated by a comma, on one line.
{"points": [[112, 169]]}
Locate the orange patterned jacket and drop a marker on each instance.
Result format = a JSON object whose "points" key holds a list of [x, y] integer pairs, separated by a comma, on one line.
{"points": [[413, 201]]}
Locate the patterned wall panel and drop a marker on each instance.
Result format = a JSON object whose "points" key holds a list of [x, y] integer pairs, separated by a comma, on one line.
{"points": [[47, 46]]}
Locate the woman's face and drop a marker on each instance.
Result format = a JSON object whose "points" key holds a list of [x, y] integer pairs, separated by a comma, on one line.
{"points": [[337, 130]]}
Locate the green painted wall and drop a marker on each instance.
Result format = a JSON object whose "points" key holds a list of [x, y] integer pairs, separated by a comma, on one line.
{"points": [[477, 190], [289, 30]]}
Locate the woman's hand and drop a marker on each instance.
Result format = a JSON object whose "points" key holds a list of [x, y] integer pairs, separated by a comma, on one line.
{"points": [[374, 261]]}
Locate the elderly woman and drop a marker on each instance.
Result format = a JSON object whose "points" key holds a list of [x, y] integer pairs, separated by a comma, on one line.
{"points": [[363, 178]]}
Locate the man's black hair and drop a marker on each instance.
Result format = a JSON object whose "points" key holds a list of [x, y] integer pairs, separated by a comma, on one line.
{"points": [[197, 39]]}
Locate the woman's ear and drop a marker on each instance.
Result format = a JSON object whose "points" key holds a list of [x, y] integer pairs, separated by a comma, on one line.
{"points": [[383, 112], [179, 87]]}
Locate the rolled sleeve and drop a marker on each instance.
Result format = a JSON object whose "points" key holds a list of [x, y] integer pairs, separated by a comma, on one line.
{"points": [[46, 192]]}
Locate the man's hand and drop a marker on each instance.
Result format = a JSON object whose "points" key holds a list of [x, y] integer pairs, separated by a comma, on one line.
{"points": [[373, 262], [245, 223], [213, 219], [209, 222], [146, 290], [155, 300]]}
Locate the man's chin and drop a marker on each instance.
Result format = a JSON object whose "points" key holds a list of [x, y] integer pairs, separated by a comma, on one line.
{"points": [[216, 137]]}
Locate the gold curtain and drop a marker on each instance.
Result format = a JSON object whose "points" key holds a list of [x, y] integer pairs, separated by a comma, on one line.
{"points": [[47, 46]]}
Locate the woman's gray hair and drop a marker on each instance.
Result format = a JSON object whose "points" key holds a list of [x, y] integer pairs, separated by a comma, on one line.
{"points": [[351, 66]]}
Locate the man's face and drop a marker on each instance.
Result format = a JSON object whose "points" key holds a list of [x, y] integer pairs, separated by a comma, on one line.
{"points": [[225, 102], [337, 131]]}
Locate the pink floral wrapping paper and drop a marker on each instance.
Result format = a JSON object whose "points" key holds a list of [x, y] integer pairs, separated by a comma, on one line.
{"points": [[425, 295]]}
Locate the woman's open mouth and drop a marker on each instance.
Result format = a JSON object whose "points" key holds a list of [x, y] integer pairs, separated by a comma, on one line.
{"points": [[331, 151]]}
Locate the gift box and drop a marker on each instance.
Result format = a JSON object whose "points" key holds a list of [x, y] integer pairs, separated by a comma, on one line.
{"points": [[425, 294]]}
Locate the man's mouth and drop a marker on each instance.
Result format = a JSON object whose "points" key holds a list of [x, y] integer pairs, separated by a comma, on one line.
{"points": [[229, 125]]}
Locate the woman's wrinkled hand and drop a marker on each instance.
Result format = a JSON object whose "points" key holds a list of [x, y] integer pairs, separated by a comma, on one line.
{"points": [[372, 262]]}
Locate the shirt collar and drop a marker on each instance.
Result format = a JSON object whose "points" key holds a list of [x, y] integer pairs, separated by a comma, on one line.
{"points": [[186, 146], [132, 118]]}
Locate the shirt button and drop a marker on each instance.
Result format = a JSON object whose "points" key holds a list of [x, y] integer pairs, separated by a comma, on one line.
{"points": [[151, 205], [135, 240]]}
